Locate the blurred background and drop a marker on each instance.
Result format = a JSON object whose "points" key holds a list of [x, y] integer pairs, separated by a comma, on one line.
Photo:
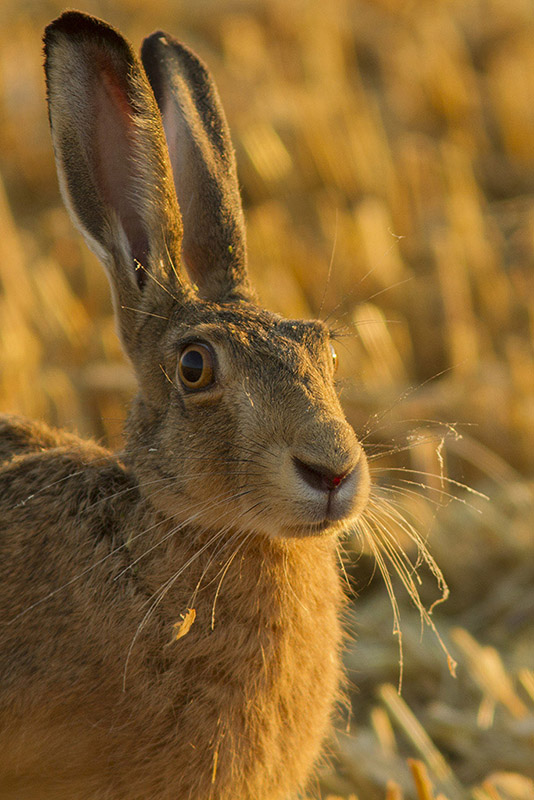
{"points": [[385, 151]]}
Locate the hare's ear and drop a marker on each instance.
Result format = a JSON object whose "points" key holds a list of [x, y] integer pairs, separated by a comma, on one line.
{"points": [[203, 163], [112, 159]]}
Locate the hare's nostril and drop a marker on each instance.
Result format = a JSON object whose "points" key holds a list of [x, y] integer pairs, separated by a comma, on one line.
{"points": [[318, 477]]}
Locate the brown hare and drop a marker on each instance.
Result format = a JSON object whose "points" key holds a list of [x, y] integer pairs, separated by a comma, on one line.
{"points": [[170, 614]]}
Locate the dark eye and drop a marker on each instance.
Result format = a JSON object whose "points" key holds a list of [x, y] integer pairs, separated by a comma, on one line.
{"points": [[196, 367], [334, 357]]}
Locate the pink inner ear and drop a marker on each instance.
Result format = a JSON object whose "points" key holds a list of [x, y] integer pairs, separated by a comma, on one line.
{"points": [[115, 155]]}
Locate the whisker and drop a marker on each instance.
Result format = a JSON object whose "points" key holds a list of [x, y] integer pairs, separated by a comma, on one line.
{"points": [[342, 567], [81, 574], [217, 552], [227, 567], [379, 416], [428, 488], [383, 542], [161, 594], [329, 273], [364, 278], [386, 577], [22, 503], [147, 313], [138, 265], [205, 507], [445, 478], [163, 591]]}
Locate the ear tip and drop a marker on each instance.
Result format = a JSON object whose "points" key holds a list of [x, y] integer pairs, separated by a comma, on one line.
{"points": [[78, 25], [162, 42], [161, 51], [70, 22], [158, 45], [157, 36]]}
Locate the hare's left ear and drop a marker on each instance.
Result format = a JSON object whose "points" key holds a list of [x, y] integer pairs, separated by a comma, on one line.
{"points": [[203, 163], [112, 160]]}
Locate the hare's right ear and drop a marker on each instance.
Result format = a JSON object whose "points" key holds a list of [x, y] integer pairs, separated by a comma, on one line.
{"points": [[203, 163], [112, 161]]}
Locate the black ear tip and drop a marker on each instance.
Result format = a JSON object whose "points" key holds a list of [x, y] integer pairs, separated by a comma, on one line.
{"points": [[70, 24], [158, 36], [161, 42], [156, 45], [85, 30], [74, 22], [163, 52], [78, 25]]}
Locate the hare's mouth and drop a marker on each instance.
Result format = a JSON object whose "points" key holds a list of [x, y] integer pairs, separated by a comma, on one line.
{"points": [[327, 526]]}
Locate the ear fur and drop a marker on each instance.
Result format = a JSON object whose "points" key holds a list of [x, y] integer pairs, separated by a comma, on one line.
{"points": [[112, 160], [203, 163]]}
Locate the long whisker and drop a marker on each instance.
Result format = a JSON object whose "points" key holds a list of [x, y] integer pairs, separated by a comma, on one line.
{"points": [[22, 503], [225, 570], [445, 478], [163, 591], [379, 416], [138, 265], [342, 566], [225, 544], [383, 542], [141, 311], [367, 275], [81, 574], [207, 506], [329, 273]]}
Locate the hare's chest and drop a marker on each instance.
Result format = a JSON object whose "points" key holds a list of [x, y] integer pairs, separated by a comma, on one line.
{"points": [[239, 705], [258, 682]]}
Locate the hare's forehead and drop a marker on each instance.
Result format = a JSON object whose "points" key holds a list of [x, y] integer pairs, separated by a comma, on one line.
{"points": [[264, 333]]}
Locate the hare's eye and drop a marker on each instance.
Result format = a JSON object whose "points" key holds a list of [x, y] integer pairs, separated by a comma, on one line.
{"points": [[196, 367], [334, 357]]}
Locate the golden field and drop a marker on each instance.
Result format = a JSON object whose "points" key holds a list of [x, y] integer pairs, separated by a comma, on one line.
{"points": [[386, 155]]}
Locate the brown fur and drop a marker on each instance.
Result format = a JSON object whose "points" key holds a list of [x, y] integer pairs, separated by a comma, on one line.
{"points": [[218, 503]]}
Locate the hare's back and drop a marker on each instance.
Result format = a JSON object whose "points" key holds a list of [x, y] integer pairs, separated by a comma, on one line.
{"points": [[50, 477], [61, 650], [19, 436], [65, 515]]}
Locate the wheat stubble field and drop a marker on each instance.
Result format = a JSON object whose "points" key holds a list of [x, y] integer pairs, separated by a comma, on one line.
{"points": [[386, 156]]}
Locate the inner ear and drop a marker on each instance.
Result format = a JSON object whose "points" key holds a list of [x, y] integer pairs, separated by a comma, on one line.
{"points": [[116, 158]]}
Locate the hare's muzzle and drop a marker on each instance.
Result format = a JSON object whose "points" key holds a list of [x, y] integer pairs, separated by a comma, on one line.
{"points": [[319, 477], [330, 474]]}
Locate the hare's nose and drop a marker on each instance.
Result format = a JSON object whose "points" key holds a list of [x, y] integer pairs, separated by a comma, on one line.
{"points": [[319, 477]]}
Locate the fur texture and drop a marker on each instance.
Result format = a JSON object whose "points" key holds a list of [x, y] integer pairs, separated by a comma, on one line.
{"points": [[228, 499]]}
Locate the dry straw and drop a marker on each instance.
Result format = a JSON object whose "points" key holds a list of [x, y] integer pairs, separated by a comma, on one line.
{"points": [[404, 133]]}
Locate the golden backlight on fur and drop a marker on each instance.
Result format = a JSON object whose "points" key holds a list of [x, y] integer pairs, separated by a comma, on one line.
{"points": [[385, 155], [172, 611]]}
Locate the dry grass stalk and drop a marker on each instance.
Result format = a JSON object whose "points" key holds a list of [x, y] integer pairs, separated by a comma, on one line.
{"points": [[393, 791], [406, 137], [413, 729], [488, 670], [422, 782]]}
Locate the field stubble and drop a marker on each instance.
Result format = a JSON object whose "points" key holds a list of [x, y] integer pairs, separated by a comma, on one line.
{"points": [[386, 156]]}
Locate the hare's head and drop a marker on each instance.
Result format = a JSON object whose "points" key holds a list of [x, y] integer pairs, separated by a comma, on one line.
{"points": [[237, 422]]}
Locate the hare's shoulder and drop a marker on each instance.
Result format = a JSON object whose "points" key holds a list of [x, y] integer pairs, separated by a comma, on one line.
{"points": [[48, 475]]}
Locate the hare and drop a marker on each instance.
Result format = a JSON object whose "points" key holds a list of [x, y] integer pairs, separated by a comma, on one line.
{"points": [[170, 614]]}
